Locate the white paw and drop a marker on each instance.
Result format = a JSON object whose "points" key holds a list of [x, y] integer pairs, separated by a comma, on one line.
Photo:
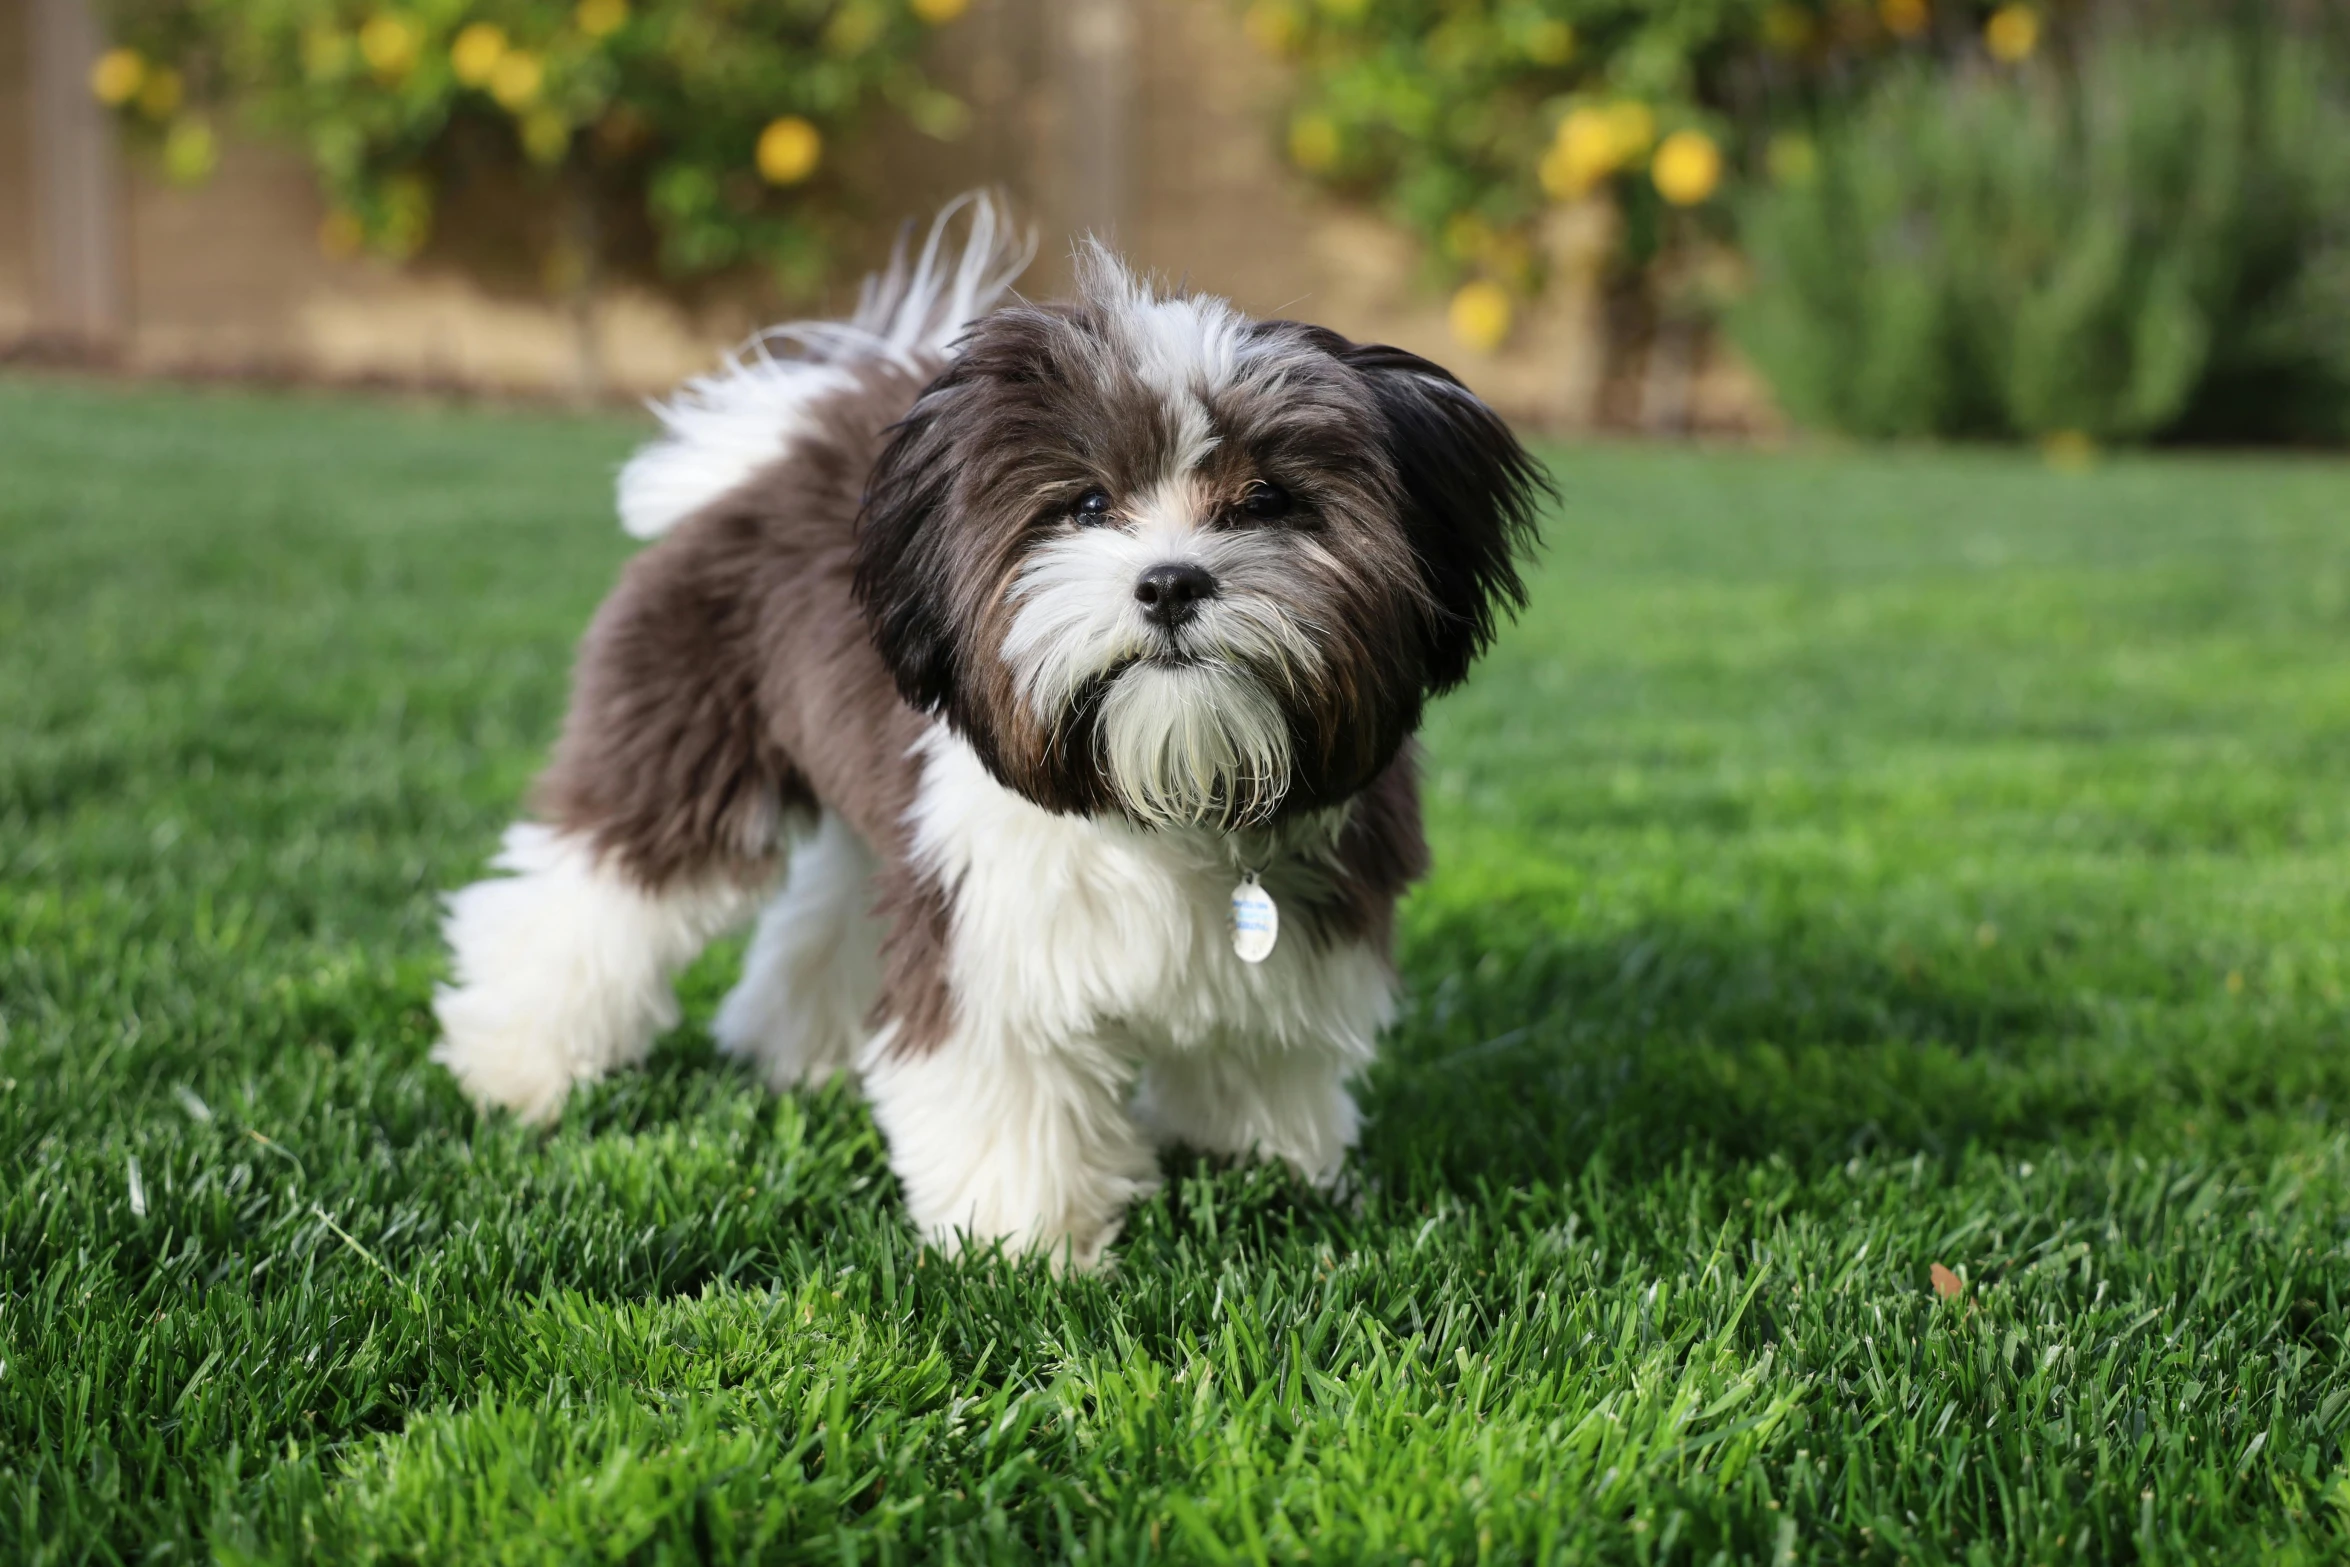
{"points": [[977, 1174], [510, 1069], [1071, 1244]]}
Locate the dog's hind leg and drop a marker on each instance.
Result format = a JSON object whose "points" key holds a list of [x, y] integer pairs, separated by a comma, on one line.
{"points": [[660, 813], [562, 968], [814, 965]]}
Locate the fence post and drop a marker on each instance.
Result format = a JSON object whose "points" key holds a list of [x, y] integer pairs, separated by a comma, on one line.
{"points": [[77, 214], [1096, 67]]}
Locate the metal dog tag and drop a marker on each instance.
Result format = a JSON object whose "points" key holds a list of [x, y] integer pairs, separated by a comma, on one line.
{"points": [[1256, 921]]}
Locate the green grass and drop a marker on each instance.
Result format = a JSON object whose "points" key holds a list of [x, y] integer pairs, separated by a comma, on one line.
{"points": [[1852, 863]]}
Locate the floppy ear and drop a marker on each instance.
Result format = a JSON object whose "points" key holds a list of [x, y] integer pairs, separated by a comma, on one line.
{"points": [[1471, 493], [904, 576]]}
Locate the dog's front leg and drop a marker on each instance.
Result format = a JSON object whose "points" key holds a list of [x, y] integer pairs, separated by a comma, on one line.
{"points": [[1012, 1140]]}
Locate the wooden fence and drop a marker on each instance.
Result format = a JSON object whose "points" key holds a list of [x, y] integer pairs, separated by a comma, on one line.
{"points": [[1150, 120]]}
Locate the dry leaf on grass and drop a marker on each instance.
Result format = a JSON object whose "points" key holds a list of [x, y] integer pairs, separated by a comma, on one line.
{"points": [[1947, 1284]]}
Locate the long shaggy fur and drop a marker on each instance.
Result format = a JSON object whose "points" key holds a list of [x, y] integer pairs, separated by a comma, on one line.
{"points": [[723, 427], [988, 646]]}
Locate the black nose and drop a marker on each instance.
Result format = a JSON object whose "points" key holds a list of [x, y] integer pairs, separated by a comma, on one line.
{"points": [[1171, 594]]}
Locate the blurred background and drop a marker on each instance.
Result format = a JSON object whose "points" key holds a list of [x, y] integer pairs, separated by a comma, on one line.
{"points": [[2083, 222]]}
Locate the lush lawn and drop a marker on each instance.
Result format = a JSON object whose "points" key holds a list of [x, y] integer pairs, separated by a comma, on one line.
{"points": [[1852, 864]]}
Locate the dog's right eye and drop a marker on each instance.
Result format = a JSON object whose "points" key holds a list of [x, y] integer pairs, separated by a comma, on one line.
{"points": [[1266, 502], [1093, 507]]}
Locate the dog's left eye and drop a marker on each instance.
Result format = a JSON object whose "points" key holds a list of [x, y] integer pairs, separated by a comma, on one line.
{"points": [[1093, 506], [1265, 502]]}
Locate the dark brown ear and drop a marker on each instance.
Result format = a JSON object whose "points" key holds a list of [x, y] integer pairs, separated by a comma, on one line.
{"points": [[1471, 494], [904, 568]]}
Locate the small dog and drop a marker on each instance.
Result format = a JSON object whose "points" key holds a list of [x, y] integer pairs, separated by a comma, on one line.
{"points": [[1070, 655]]}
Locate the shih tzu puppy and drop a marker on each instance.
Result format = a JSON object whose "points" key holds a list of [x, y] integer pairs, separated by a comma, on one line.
{"points": [[1043, 679]]}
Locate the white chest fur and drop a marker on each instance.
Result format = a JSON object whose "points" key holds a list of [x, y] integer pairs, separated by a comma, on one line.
{"points": [[1069, 929]]}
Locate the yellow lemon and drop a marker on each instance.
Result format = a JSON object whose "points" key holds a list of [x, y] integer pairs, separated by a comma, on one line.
{"points": [[474, 57], [117, 77], [190, 152], [390, 43], [340, 234], [600, 18], [160, 97], [940, 12], [1905, 18], [516, 80], [1273, 27], [1585, 129], [1550, 42], [1688, 168], [2012, 33], [1480, 315], [1590, 147], [789, 150], [1314, 143]]}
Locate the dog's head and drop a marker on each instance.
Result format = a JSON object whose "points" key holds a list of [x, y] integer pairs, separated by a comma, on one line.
{"points": [[1149, 556]]}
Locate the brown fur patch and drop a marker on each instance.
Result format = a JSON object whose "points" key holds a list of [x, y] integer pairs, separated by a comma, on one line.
{"points": [[1381, 852], [729, 679]]}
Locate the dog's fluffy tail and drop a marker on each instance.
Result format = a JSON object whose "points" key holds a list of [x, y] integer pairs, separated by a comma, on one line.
{"points": [[721, 428]]}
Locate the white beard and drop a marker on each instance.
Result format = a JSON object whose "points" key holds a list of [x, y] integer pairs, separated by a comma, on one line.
{"points": [[1195, 745]]}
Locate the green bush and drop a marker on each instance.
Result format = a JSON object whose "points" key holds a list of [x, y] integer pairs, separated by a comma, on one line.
{"points": [[708, 122], [2153, 245], [1466, 120]]}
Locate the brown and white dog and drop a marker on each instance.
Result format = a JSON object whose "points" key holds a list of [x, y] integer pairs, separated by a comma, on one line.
{"points": [[1043, 678]]}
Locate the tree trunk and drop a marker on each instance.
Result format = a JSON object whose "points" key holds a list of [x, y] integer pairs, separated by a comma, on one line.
{"points": [[76, 190]]}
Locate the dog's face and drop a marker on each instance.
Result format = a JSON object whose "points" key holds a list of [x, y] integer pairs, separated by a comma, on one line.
{"points": [[1151, 557]]}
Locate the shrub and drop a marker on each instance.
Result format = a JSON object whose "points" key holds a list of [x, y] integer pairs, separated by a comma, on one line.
{"points": [[1468, 120], [712, 120], [2152, 246]]}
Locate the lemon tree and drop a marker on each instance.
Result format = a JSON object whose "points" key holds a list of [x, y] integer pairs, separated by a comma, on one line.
{"points": [[1470, 119], [706, 124]]}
